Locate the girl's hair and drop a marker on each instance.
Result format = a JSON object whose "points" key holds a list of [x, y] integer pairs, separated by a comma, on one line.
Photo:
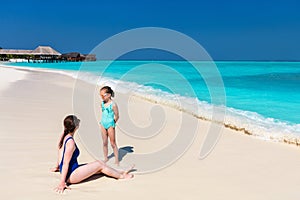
{"points": [[70, 124], [108, 90]]}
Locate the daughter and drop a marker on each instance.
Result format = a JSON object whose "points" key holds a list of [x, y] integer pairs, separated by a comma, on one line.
{"points": [[110, 116]]}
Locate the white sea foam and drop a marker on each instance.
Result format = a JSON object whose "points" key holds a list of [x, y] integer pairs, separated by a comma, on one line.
{"points": [[249, 122], [245, 121]]}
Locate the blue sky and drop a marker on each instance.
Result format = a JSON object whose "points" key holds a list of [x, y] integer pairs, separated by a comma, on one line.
{"points": [[228, 30]]}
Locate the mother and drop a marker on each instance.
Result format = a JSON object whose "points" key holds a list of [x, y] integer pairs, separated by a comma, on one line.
{"points": [[71, 171]]}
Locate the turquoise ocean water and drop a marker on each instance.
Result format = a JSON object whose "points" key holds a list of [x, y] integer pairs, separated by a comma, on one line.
{"points": [[261, 97]]}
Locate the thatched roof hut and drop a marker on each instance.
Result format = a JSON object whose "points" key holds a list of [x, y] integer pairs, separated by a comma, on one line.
{"points": [[45, 50], [71, 55], [15, 52], [76, 56], [40, 50], [44, 53], [90, 57]]}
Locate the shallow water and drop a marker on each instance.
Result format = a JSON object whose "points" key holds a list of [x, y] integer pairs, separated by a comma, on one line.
{"points": [[260, 97]]}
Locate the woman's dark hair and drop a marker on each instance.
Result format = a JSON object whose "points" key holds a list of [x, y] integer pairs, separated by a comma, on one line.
{"points": [[108, 90], [70, 124]]}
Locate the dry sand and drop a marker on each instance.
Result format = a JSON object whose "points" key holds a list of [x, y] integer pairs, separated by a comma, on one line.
{"points": [[34, 103]]}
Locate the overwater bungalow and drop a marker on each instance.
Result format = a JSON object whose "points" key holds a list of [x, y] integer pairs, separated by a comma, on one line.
{"points": [[77, 57], [72, 56], [40, 54], [90, 57], [43, 54]]}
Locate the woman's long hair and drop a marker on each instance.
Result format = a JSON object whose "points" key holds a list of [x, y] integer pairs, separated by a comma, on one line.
{"points": [[70, 124]]}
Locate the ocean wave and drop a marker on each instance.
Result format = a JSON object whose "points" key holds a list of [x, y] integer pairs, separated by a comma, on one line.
{"points": [[250, 123]]}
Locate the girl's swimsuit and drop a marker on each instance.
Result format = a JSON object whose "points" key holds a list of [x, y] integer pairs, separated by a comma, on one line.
{"points": [[73, 162], [108, 116]]}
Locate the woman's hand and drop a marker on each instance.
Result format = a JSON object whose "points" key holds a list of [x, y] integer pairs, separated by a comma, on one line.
{"points": [[55, 169], [61, 187]]}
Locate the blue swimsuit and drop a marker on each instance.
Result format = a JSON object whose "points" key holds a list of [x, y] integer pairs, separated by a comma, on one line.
{"points": [[108, 116], [73, 162]]}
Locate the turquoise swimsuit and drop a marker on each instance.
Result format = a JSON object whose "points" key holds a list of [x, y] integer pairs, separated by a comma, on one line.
{"points": [[108, 116]]}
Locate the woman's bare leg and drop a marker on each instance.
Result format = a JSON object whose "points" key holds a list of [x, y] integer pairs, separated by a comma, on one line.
{"points": [[85, 171], [116, 173]]}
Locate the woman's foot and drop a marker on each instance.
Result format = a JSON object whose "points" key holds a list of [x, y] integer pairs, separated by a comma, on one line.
{"points": [[127, 176], [125, 173], [130, 168]]}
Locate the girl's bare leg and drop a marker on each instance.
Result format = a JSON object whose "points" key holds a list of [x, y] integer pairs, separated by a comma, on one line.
{"points": [[105, 143], [112, 139]]}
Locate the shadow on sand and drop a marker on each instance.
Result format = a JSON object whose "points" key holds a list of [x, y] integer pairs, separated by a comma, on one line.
{"points": [[123, 151]]}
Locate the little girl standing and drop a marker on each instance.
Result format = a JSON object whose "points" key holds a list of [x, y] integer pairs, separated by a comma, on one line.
{"points": [[110, 116]]}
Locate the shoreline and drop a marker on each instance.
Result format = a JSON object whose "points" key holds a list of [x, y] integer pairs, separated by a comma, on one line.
{"points": [[33, 108], [287, 139]]}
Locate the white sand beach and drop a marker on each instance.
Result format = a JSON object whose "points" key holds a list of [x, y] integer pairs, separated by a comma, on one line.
{"points": [[34, 103]]}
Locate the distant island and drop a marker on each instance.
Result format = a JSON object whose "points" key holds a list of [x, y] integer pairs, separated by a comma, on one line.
{"points": [[43, 54]]}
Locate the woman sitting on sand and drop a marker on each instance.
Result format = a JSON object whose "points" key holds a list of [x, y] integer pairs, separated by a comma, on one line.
{"points": [[71, 171]]}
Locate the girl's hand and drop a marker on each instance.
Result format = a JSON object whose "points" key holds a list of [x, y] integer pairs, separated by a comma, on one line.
{"points": [[61, 187]]}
